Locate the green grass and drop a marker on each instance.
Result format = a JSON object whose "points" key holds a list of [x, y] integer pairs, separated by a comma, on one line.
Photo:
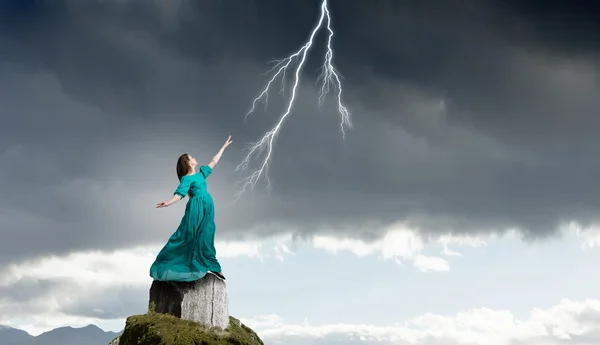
{"points": [[161, 329]]}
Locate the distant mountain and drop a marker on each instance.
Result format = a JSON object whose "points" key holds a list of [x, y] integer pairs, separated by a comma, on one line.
{"points": [[13, 336], [88, 335]]}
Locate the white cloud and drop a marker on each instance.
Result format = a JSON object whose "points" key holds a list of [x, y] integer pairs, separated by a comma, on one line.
{"points": [[282, 247], [430, 263], [130, 266], [569, 322], [589, 235], [396, 243], [84, 275], [401, 243], [449, 252], [126, 266], [468, 240]]}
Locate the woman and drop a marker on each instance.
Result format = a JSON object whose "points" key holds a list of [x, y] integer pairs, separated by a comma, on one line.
{"points": [[190, 252]]}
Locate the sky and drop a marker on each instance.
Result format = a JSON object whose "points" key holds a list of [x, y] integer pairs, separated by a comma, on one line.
{"points": [[462, 207]]}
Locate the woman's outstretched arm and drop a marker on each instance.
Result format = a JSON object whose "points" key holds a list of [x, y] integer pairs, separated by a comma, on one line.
{"points": [[217, 157], [180, 193], [173, 200]]}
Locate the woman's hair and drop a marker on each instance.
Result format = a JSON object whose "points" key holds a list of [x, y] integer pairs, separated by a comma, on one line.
{"points": [[183, 167]]}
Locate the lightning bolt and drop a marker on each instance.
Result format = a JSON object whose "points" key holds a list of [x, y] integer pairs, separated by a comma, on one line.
{"points": [[329, 78]]}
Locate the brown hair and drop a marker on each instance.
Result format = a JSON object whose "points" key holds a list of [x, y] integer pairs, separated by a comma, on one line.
{"points": [[183, 167]]}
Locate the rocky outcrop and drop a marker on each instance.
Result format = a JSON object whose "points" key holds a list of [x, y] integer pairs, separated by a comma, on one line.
{"points": [[187, 314], [164, 329], [204, 301]]}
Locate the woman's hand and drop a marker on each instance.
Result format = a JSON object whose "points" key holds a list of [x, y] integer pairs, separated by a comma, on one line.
{"points": [[227, 142], [216, 158], [173, 200]]}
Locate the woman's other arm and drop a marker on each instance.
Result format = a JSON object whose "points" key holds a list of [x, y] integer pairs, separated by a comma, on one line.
{"points": [[180, 193], [173, 200]]}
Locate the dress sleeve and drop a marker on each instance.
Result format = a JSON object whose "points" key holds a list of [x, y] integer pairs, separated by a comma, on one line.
{"points": [[206, 171], [183, 188]]}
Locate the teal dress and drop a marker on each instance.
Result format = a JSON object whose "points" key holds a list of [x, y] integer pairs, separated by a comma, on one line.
{"points": [[190, 252]]}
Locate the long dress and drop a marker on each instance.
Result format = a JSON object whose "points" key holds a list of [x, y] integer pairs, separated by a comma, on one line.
{"points": [[190, 251]]}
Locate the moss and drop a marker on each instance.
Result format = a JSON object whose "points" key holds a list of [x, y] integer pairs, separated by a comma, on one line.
{"points": [[163, 329], [151, 307]]}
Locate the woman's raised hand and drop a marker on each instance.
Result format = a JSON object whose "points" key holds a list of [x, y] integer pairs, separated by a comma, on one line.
{"points": [[228, 141]]}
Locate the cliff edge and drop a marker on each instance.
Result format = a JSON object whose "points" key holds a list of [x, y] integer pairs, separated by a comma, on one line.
{"points": [[194, 313]]}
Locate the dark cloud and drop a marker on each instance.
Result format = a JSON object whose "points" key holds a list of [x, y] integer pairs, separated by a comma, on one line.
{"points": [[469, 116], [108, 304], [27, 289], [33, 296], [557, 26], [28, 296]]}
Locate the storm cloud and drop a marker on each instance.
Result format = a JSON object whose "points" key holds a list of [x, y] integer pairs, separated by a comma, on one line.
{"points": [[469, 117]]}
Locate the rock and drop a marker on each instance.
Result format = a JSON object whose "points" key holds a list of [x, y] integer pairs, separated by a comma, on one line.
{"points": [[164, 329], [187, 314], [204, 301]]}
